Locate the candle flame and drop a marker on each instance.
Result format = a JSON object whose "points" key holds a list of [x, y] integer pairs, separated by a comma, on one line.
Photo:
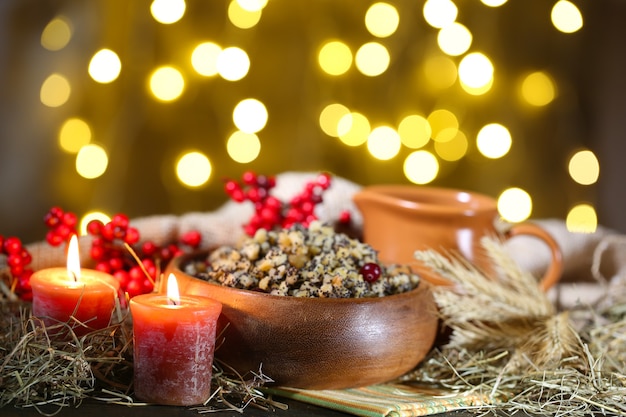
{"points": [[73, 259], [173, 296]]}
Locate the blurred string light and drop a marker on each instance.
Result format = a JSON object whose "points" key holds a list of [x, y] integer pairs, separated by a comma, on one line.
{"points": [[515, 205], [538, 89], [335, 58], [383, 143], [204, 58], [382, 20], [476, 73], [584, 167], [353, 129], [74, 134], [233, 64], [372, 59], [454, 39], [193, 169], [243, 147], [414, 131], [566, 17], [494, 141], [166, 83], [330, 117], [168, 11], [91, 161], [88, 217], [57, 34], [251, 5], [582, 218], [105, 66], [421, 167], [440, 70], [55, 90], [440, 13], [250, 115], [493, 3], [245, 14]]}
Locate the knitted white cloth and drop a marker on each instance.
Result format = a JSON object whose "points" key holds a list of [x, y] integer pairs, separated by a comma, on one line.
{"points": [[592, 262]]}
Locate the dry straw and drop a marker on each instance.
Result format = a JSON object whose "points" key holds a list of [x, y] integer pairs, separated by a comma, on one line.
{"points": [[508, 342]]}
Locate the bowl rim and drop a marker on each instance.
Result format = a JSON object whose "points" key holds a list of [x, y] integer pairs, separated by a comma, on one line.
{"points": [[423, 287]]}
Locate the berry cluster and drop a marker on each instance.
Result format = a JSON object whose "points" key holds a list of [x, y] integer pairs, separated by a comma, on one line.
{"points": [[109, 248], [109, 251], [62, 225], [271, 213], [18, 259]]}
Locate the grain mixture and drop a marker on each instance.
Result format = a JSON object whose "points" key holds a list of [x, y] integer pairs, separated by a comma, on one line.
{"points": [[302, 262]]}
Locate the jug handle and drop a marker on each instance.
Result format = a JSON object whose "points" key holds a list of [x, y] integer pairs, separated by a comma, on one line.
{"points": [[555, 269]]}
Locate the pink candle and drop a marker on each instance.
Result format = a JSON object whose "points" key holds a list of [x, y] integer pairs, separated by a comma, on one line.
{"points": [[60, 294], [174, 342]]}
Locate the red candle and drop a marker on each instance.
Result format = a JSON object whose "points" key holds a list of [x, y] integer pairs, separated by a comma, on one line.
{"points": [[60, 294], [174, 342]]}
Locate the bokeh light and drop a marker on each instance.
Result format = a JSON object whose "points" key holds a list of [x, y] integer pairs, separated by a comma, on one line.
{"points": [[88, 217], [475, 70], [383, 143], [414, 131], [584, 167], [582, 218], [353, 129], [330, 117], [167, 83], [204, 58], [250, 115], [515, 205], [252, 5], [454, 39], [453, 149], [74, 134], [493, 3], [335, 58], [243, 147], [494, 140], [91, 161], [233, 63], [105, 66], [193, 169], [566, 17], [421, 167], [55, 91], [382, 19], [538, 89], [372, 59], [444, 124], [57, 34], [168, 11], [242, 17], [440, 71], [440, 13]]}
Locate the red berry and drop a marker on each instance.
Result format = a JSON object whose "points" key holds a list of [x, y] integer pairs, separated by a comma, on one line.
{"points": [[134, 288], [94, 227], [238, 195], [136, 274], [53, 238], [149, 248], [370, 271], [97, 253], [116, 264], [104, 267], [12, 245], [249, 178], [132, 236], [120, 220], [70, 220], [191, 238], [345, 217], [323, 180], [122, 277], [108, 232]]}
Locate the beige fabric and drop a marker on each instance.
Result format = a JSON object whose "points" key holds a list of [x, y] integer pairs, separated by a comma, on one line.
{"points": [[592, 262]]}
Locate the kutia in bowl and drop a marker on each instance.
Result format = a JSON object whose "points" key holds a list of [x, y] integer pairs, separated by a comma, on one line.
{"points": [[312, 309]]}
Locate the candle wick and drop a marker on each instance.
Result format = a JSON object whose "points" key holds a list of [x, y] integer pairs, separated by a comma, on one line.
{"points": [[74, 276], [173, 302]]}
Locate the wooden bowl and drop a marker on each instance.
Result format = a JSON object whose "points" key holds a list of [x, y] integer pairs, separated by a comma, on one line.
{"points": [[315, 343]]}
